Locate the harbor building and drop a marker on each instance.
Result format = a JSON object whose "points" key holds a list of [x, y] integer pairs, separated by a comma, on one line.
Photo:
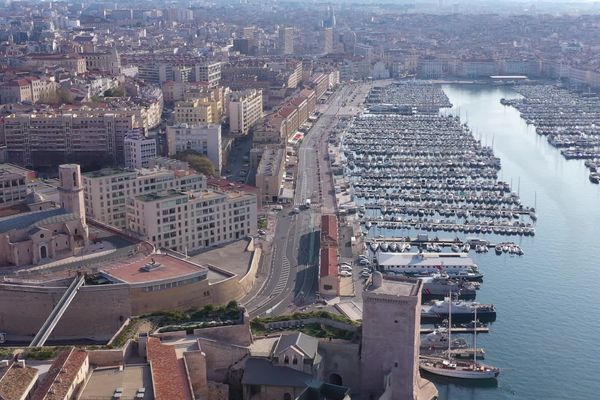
{"points": [[187, 222], [245, 110], [49, 233], [107, 190], [390, 368], [138, 149], [204, 139]]}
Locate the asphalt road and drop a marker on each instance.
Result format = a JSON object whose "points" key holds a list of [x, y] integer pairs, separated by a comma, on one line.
{"points": [[291, 281]]}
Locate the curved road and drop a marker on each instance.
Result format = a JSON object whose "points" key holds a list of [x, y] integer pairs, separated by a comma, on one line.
{"points": [[293, 265]]}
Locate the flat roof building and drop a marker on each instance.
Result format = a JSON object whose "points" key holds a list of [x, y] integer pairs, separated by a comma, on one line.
{"points": [[245, 110], [187, 222], [107, 190], [204, 139]]}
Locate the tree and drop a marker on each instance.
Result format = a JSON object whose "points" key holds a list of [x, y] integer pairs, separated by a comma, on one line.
{"points": [[197, 161], [115, 92]]}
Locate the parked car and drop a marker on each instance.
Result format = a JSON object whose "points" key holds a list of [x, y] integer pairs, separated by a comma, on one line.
{"points": [[345, 268], [365, 274], [345, 273]]}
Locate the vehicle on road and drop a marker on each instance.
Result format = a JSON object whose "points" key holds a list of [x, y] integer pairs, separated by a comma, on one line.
{"points": [[363, 262], [345, 268], [307, 203], [296, 210], [278, 207], [365, 274], [345, 273]]}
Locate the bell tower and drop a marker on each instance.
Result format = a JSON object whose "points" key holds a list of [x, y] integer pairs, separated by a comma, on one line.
{"points": [[71, 190]]}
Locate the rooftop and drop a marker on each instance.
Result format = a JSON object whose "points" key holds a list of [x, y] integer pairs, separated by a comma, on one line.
{"points": [[103, 382], [395, 288], [67, 365], [26, 220], [424, 259], [300, 341], [168, 372], [328, 261], [165, 267], [232, 257], [16, 380], [259, 371]]}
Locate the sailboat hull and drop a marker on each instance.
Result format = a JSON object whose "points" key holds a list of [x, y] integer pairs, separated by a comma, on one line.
{"points": [[460, 373]]}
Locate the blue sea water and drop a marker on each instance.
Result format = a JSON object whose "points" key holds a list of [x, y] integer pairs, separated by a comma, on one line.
{"points": [[547, 335]]}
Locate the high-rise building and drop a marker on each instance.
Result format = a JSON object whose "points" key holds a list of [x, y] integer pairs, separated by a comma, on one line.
{"points": [[328, 40], [286, 40], [392, 309]]}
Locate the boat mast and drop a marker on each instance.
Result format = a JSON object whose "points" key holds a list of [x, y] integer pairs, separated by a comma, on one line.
{"points": [[450, 327], [475, 338]]}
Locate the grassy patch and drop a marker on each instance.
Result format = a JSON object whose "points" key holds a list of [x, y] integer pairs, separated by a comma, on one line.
{"points": [[42, 353], [262, 223], [312, 314], [198, 318], [128, 332]]}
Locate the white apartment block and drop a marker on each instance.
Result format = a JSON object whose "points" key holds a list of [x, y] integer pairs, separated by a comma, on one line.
{"points": [[187, 222], [209, 72], [193, 112], [205, 139], [138, 150], [106, 190], [245, 110]]}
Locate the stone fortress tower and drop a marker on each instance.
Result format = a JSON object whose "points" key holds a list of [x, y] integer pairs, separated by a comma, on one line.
{"points": [[390, 341]]}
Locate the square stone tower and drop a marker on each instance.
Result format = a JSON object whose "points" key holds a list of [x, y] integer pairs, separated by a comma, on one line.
{"points": [[71, 190], [390, 341]]}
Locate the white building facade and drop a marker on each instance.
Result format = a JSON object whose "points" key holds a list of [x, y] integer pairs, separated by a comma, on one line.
{"points": [[205, 139]]}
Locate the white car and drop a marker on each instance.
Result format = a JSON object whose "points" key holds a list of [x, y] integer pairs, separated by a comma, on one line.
{"points": [[345, 268], [364, 262], [365, 274], [345, 273]]}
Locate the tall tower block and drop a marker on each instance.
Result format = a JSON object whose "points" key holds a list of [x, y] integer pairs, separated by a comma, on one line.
{"points": [[390, 341], [71, 190]]}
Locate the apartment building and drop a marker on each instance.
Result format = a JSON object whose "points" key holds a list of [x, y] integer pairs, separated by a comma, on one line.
{"points": [[327, 40], [138, 149], [209, 72], [245, 110], [49, 139], [30, 88], [193, 112], [269, 174], [205, 139], [286, 40], [107, 190], [187, 222], [74, 63]]}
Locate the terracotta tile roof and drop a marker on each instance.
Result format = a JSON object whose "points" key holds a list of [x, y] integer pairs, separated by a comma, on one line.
{"points": [[329, 229], [328, 261], [168, 373], [16, 381], [62, 374]]}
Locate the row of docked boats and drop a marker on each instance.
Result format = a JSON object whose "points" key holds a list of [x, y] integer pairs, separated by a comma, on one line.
{"points": [[568, 119], [435, 225]]}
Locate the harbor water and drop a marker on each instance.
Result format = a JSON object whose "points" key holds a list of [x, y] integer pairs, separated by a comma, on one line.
{"points": [[548, 301]]}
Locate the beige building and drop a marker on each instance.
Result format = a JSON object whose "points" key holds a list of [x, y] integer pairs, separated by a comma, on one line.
{"points": [[188, 222], [107, 190], [328, 40], [50, 233], [193, 112], [74, 63], [286, 40], [245, 110], [390, 368], [205, 139], [269, 174]]}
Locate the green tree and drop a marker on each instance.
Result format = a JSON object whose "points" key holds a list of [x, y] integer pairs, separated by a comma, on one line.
{"points": [[197, 161], [115, 92]]}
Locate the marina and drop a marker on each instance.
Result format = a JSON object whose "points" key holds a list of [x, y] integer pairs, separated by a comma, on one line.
{"points": [[569, 120], [427, 173], [546, 186]]}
